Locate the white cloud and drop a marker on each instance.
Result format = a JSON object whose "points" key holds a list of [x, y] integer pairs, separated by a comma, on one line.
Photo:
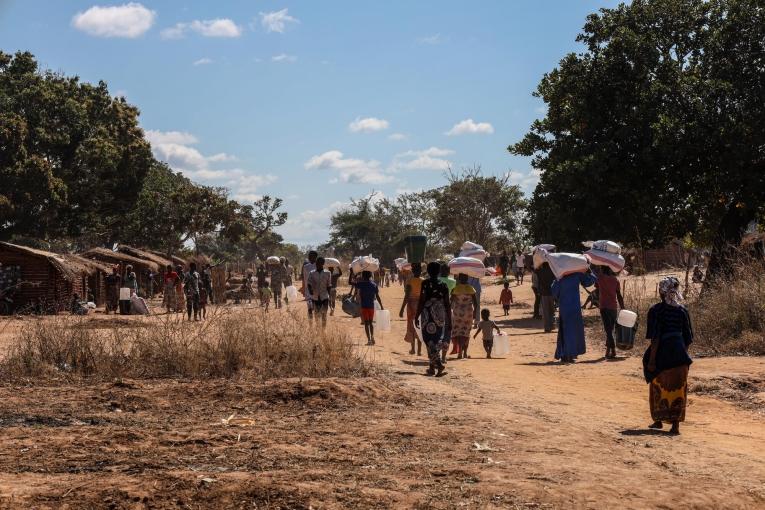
{"points": [[431, 39], [368, 125], [175, 148], [220, 27], [397, 137], [249, 185], [427, 159], [179, 137], [203, 61], [310, 226], [355, 171], [276, 21], [468, 126], [283, 57], [128, 20]]}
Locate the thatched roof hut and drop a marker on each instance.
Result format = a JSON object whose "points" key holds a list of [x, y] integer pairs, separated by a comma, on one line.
{"points": [[146, 255], [142, 267], [47, 280]]}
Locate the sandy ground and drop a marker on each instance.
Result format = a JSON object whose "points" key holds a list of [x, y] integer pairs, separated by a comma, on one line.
{"points": [[518, 432]]}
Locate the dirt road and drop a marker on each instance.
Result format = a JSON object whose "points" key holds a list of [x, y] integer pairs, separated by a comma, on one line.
{"points": [[519, 432], [576, 434]]}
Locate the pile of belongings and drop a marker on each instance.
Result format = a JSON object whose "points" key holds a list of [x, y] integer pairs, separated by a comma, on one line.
{"points": [[538, 253], [365, 263], [605, 253], [331, 263], [273, 260], [467, 265], [473, 250]]}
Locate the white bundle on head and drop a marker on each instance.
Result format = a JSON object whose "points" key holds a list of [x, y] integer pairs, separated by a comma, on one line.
{"points": [[331, 263], [606, 253], [467, 265], [473, 250]]}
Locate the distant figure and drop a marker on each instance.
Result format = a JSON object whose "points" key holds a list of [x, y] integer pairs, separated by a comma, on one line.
{"points": [[113, 283], [168, 293], [487, 327], [610, 301], [546, 278], [537, 297], [434, 311], [278, 282], [191, 282], [180, 298], [368, 292], [336, 274], [77, 307], [464, 301], [412, 291], [570, 323], [207, 282], [203, 297], [131, 280], [319, 284], [264, 294], [308, 267], [520, 268], [504, 264], [666, 362], [506, 298]]}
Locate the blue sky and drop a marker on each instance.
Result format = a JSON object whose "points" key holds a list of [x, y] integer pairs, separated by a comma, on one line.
{"points": [[314, 102]]}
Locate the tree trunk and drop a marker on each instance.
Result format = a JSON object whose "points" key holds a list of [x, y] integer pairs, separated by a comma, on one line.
{"points": [[727, 241]]}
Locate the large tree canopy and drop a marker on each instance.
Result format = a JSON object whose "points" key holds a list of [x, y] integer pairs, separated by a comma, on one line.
{"points": [[657, 129], [72, 158]]}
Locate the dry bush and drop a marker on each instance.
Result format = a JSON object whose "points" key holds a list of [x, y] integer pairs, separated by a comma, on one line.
{"points": [[727, 319], [730, 317], [228, 344]]}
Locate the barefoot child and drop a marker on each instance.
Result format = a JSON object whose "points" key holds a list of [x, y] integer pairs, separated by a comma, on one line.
{"points": [[368, 292], [487, 327], [506, 298]]}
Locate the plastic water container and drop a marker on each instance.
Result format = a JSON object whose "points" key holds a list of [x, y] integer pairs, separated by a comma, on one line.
{"points": [[292, 293], [627, 319], [377, 307], [625, 337], [382, 317], [124, 294], [501, 345]]}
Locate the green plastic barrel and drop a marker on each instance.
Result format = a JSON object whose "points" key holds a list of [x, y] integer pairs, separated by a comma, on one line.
{"points": [[415, 248]]}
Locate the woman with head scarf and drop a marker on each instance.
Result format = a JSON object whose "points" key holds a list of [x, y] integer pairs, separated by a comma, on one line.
{"points": [[434, 310], [666, 361]]}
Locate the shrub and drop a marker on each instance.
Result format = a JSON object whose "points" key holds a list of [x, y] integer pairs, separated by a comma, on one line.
{"points": [[228, 344]]}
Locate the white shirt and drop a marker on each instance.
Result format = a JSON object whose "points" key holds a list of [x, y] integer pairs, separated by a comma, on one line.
{"points": [[319, 282], [307, 268], [519, 260]]}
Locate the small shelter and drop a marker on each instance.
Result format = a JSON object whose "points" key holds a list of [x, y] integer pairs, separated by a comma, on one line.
{"points": [[47, 281]]}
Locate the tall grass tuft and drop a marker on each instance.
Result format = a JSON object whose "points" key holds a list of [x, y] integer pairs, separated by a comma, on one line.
{"points": [[228, 344]]}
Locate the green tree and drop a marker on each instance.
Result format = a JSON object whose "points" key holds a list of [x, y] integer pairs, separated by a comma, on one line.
{"points": [[475, 207], [656, 130], [72, 158]]}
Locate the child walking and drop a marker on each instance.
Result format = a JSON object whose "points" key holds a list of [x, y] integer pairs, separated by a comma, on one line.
{"points": [[368, 291], [487, 327], [506, 298]]}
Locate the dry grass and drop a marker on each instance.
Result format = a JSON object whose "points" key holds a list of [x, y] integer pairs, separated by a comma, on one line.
{"points": [[228, 344], [728, 319]]}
